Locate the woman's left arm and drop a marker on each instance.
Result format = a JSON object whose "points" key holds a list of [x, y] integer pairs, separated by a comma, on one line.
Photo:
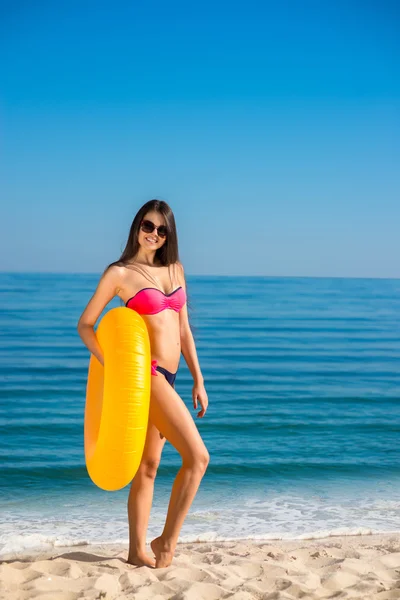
{"points": [[189, 352]]}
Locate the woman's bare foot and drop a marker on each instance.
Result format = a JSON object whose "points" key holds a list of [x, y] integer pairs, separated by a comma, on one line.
{"points": [[141, 560], [162, 552]]}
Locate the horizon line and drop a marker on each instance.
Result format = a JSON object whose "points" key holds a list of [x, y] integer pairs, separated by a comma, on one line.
{"points": [[361, 277]]}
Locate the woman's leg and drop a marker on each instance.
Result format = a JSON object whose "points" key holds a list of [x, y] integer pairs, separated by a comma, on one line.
{"points": [[170, 415], [141, 497]]}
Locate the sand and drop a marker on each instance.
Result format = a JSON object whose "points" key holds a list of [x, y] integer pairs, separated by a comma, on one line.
{"points": [[365, 566]]}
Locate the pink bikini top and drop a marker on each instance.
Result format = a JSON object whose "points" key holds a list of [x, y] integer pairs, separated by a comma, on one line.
{"points": [[150, 301]]}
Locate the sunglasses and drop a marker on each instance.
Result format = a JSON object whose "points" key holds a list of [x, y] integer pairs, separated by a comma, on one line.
{"points": [[148, 227]]}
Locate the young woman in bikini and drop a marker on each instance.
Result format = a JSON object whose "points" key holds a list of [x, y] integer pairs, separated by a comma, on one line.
{"points": [[150, 279]]}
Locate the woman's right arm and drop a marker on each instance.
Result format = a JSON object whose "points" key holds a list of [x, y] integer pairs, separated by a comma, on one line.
{"points": [[107, 288]]}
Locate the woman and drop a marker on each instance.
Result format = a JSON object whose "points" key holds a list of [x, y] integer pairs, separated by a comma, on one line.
{"points": [[150, 279]]}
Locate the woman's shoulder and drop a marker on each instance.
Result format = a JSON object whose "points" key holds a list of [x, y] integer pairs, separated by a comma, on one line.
{"points": [[115, 271], [180, 274], [113, 275], [179, 266]]}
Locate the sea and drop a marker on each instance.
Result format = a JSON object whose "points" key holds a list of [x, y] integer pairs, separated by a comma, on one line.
{"points": [[302, 427]]}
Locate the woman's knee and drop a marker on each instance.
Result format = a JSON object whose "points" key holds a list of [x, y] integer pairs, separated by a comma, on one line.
{"points": [[204, 460], [148, 467], [198, 461]]}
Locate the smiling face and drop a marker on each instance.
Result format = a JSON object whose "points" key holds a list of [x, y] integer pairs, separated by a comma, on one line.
{"points": [[152, 240]]}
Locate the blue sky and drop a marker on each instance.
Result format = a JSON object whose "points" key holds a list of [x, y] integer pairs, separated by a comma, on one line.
{"points": [[272, 130]]}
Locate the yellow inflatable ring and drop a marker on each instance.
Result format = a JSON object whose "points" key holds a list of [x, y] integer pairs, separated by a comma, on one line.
{"points": [[117, 400]]}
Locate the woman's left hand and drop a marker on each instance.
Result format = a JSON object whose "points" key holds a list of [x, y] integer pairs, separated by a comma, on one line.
{"points": [[199, 394]]}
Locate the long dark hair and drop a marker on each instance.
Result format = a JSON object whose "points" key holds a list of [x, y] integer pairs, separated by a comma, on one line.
{"points": [[165, 256]]}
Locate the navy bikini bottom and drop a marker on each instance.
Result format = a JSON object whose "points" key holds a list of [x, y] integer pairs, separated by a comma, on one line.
{"points": [[170, 377]]}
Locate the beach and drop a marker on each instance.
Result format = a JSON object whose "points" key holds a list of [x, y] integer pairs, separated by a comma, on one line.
{"points": [[365, 566]]}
